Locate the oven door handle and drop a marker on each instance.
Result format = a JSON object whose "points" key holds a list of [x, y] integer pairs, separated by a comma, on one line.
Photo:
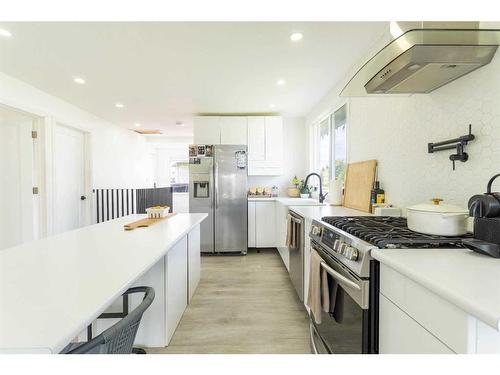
{"points": [[294, 219], [313, 343], [339, 277]]}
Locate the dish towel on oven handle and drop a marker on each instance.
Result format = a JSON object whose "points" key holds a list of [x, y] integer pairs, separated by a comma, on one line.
{"points": [[318, 298], [290, 232]]}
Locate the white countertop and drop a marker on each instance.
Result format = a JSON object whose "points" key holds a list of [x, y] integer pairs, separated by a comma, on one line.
{"points": [[469, 280], [287, 201], [317, 212], [51, 289]]}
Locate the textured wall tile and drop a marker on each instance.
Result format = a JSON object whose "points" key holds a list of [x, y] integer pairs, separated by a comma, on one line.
{"points": [[396, 130]]}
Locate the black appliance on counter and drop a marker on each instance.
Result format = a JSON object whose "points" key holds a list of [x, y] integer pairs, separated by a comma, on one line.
{"points": [[485, 208]]}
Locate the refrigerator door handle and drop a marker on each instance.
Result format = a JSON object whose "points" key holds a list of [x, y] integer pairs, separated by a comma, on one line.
{"points": [[216, 187]]}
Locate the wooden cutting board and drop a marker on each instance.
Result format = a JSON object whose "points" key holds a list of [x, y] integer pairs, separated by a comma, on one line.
{"points": [[146, 222], [359, 181]]}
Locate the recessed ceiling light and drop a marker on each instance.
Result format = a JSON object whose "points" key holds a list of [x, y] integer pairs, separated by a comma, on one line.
{"points": [[119, 105], [5, 33], [272, 105], [178, 123], [79, 80], [137, 125], [280, 82], [295, 37]]}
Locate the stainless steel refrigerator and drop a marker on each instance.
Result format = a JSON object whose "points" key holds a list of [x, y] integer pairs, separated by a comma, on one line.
{"points": [[218, 187]]}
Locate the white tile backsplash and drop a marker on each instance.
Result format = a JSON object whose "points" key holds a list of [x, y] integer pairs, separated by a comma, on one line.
{"points": [[396, 130]]}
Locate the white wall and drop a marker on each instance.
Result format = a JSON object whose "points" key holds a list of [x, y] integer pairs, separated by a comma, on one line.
{"points": [[119, 157], [294, 157], [396, 130]]}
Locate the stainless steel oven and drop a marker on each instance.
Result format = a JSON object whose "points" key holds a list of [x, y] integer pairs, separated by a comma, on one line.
{"points": [[353, 329]]}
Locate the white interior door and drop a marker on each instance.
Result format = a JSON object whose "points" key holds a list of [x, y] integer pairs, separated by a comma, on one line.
{"points": [[17, 221], [69, 178]]}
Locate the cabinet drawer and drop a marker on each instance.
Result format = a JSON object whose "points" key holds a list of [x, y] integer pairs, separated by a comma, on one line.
{"points": [[400, 334], [444, 320]]}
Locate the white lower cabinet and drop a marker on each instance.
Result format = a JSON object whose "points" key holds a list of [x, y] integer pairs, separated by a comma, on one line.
{"points": [[265, 235], [174, 279], [194, 261], [414, 319], [400, 334], [261, 224], [176, 264], [251, 225]]}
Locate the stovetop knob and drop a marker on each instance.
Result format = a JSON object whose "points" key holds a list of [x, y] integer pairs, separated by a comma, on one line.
{"points": [[351, 253]]}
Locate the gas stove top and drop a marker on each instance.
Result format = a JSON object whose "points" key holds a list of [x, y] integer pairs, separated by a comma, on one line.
{"points": [[389, 232]]}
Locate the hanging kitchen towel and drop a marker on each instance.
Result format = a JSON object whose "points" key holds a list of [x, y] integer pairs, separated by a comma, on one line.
{"points": [[336, 297], [318, 298], [290, 232]]}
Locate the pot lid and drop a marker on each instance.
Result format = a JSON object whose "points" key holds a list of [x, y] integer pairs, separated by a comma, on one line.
{"points": [[438, 207]]}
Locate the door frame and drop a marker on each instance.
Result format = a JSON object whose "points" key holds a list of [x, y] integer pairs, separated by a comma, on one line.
{"points": [[44, 125], [49, 177], [30, 178]]}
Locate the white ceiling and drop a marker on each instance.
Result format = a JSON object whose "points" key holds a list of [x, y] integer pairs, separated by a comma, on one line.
{"points": [[167, 71]]}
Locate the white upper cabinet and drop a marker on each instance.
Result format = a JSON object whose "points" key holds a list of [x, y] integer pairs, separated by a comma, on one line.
{"points": [[233, 130], [274, 138], [262, 134], [265, 146], [206, 130], [256, 138]]}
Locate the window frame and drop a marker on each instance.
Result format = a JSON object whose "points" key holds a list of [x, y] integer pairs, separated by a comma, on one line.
{"points": [[316, 136]]}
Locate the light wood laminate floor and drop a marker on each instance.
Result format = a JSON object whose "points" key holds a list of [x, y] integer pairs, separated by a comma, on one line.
{"points": [[243, 304]]}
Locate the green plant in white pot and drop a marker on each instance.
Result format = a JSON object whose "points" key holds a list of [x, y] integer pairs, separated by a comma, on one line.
{"points": [[304, 190]]}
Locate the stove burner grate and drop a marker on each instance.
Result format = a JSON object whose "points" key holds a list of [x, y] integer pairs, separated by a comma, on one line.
{"points": [[389, 232]]}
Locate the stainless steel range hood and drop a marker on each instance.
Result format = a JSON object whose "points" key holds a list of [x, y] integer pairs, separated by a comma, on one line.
{"points": [[421, 60]]}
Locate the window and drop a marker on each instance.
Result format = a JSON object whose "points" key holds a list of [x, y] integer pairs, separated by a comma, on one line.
{"points": [[324, 149], [340, 143], [330, 157]]}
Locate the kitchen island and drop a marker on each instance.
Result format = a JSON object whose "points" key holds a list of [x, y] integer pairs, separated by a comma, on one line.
{"points": [[52, 289]]}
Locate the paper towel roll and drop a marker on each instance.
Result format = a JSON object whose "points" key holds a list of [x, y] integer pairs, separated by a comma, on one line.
{"points": [[335, 193]]}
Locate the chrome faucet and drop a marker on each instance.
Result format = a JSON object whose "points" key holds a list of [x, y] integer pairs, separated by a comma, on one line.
{"points": [[321, 196]]}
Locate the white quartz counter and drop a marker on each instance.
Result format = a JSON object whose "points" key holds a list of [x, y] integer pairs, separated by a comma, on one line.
{"points": [[51, 289], [317, 212], [287, 201], [468, 280]]}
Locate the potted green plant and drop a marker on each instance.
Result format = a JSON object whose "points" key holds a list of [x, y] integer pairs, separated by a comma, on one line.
{"points": [[294, 192], [304, 190]]}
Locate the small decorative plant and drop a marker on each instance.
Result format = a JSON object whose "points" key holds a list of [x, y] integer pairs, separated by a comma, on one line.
{"points": [[295, 181], [304, 189]]}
